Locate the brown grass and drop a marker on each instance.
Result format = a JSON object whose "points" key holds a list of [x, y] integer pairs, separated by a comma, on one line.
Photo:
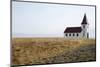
{"points": [[51, 50]]}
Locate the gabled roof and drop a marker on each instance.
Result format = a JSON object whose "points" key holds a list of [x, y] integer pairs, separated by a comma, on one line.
{"points": [[84, 20], [73, 30]]}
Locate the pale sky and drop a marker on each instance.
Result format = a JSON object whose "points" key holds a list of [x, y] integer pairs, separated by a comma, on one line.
{"points": [[49, 20]]}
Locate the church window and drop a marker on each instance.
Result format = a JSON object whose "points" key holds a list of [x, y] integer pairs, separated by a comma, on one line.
{"points": [[83, 26], [69, 34], [77, 34], [66, 34], [73, 34]]}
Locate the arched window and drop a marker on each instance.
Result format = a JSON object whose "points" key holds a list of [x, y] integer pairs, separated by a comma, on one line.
{"points": [[84, 26], [73, 34], [69, 34], [66, 34], [77, 34]]}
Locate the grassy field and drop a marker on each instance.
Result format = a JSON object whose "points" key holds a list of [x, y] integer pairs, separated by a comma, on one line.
{"points": [[52, 50]]}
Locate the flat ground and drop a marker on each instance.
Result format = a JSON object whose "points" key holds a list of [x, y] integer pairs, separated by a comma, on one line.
{"points": [[52, 50]]}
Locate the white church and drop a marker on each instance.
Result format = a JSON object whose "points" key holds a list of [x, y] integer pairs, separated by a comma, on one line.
{"points": [[78, 32]]}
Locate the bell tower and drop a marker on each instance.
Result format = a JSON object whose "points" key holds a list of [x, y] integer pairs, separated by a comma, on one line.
{"points": [[84, 26]]}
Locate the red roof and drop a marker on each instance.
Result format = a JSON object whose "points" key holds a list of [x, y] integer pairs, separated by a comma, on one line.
{"points": [[73, 30]]}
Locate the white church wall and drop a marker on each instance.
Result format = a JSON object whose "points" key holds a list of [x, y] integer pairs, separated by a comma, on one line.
{"points": [[71, 36], [85, 35]]}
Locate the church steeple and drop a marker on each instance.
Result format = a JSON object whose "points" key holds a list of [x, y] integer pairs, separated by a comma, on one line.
{"points": [[84, 20], [84, 26]]}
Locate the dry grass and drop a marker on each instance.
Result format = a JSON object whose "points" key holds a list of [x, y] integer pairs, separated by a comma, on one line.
{"points": [[51, 50]]}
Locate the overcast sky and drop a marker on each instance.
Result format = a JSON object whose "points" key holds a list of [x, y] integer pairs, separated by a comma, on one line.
{"points": [[48, 20]]}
